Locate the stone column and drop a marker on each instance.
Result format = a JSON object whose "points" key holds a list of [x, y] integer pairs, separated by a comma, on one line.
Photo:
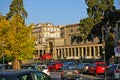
{"points": [[90, 52], [38, 52], [59, 53], [74, 52], [98, 51], [86, 52], [71, 52], [82, 52], [78, 52], [64, 52], [94, 52], [68, 52]]}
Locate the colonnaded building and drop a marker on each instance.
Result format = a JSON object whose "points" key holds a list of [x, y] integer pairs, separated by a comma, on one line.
{"points": [[57, 40]]}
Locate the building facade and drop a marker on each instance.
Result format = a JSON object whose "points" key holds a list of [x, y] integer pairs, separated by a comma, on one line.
{"points": [[58, 40], [44, 32]]}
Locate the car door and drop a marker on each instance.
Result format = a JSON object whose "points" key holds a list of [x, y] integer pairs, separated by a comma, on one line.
{"points": [[26, 76], [40, 76], [92, 68]]}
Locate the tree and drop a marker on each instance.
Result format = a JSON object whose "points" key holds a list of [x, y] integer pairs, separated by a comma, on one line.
{"points": [[17, 8], [85, 28], [19, 42], [109, 48], [104, 16]]}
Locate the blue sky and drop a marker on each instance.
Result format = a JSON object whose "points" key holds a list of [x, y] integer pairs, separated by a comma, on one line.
{"points": [[58, 12]]}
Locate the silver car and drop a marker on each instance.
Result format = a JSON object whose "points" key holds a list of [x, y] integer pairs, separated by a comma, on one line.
{"points": [[70, 72]]}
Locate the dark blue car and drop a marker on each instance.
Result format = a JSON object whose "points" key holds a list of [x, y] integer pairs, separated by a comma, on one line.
{"points": [[23, 75], [110, 70]]}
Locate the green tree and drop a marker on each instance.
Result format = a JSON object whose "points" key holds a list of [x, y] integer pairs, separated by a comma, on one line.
{"points": [[109, 48], [98, 10], [19, 42], [85, 28], [104, 15], [17, 7]]}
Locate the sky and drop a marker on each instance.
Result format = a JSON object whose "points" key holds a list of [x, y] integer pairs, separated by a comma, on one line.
{"points": [[57, 12]]}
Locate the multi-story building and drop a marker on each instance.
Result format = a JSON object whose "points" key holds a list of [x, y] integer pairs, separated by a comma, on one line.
{"points": [[57, 40], [43, 33]]}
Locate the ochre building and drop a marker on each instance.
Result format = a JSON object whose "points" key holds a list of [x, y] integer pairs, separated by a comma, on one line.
{"points": [[58, 40]]}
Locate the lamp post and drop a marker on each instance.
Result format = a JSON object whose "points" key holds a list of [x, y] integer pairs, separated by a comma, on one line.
{"points": [[3, 59], [103, 40]]}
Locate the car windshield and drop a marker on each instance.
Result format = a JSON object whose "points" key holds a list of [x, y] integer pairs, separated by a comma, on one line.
{"points": [[43, 67], [28, 67], [112, 66]]}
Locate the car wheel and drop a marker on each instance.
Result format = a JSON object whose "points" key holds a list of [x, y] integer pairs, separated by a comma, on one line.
{"points": [[63, 79], [95, 73]]}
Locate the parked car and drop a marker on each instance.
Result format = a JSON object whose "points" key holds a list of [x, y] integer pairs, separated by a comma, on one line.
{"points": [[70, 72], [44, 69], [55, 66], [30, 67], [69, 63], [83, 67], [23, 75], [110, 70], [97, 68], [5, 66], [117, 72]]}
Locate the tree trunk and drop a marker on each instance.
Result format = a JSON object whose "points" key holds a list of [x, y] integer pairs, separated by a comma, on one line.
{"points": [[16, 63]]}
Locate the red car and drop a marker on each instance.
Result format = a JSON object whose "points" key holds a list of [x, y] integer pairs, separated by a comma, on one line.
{"points": [[97, 68], [55, 66]]}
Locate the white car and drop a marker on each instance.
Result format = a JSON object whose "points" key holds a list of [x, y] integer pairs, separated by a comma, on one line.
{"points": [[117, 71], [44, 69]]}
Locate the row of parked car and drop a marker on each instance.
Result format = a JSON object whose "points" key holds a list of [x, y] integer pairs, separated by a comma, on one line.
{"points": [[34, 71], [68, 70], [97, 68], [72, 70]]}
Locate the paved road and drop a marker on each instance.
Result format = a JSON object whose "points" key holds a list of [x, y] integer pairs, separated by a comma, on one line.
{"points": [[57, 76]]}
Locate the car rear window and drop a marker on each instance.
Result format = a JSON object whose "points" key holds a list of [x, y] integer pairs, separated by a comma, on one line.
{"points": [[86, 64], [102, 65], [70, 67], [112, 66]]}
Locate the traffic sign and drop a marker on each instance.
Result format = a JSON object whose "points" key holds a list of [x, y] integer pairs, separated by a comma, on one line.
{"points": [[117, 51]]}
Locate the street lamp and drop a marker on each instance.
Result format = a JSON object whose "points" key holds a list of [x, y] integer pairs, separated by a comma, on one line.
{"points": [[103, 40], [3, 59]]}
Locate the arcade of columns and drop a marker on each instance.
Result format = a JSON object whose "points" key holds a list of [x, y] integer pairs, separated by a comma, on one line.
{"points": [[77, 52], [88, 51]]}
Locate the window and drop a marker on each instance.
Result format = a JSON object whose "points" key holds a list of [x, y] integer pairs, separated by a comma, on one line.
{"points": [[2, 78], [44, 29], [25, 77], [71, 30], [40, 76]]}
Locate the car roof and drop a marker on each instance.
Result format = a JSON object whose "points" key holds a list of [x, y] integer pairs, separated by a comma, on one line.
{"points": [[12, 72]]}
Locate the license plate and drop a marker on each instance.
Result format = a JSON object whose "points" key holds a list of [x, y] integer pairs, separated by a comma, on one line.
{"points": [[69, 72]]}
